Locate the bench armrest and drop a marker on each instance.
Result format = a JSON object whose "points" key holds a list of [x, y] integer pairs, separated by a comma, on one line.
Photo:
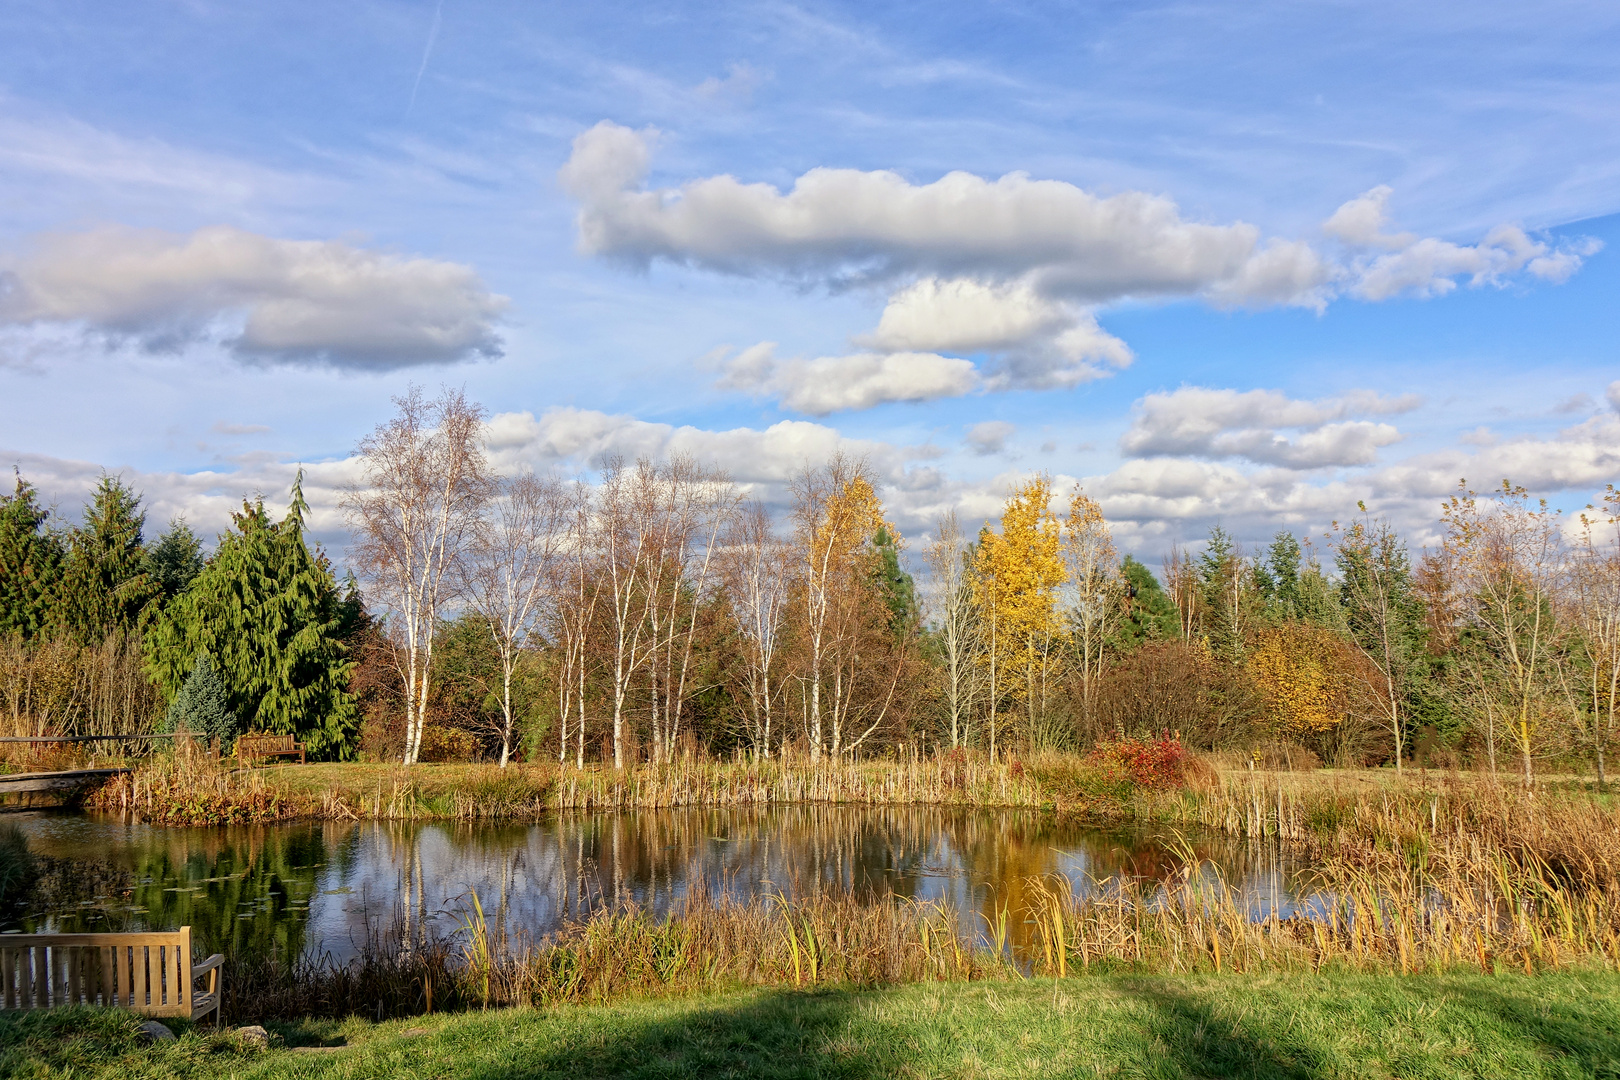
{"points": [[199, 970]]}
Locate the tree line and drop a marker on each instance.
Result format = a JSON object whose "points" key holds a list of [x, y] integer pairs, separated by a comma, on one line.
{"points": [[655, 611], [251, 638]]}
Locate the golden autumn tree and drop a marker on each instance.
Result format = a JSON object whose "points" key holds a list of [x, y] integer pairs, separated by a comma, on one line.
{"points": [[1308, 675], [1018, 573], [837, 512]]}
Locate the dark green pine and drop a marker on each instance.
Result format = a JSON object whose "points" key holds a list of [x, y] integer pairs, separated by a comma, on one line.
{"points": [[30, 564], [104, 585], [268, 611]]}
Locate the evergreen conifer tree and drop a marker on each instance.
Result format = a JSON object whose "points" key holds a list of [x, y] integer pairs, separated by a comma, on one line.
{"points": [[268, 611], [104, 585], [1150, 614], [898, 589], [1227, 582], [174, 559], [201, 706], [30, 563], [1280, 578]]}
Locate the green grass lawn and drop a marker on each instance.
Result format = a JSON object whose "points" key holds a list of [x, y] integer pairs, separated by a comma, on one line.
{"points": [[1565, 1025]]}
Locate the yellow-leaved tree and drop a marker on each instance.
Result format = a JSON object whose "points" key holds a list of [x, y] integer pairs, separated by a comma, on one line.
{"points": [[1308, 675], [1018, 573], [838, 512]]}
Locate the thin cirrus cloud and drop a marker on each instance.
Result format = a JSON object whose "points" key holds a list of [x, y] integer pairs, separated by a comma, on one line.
{"points": [[1264, 427], [1011, 270], [265, 299]]}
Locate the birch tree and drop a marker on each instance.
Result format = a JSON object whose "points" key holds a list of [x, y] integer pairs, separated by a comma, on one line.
{"points": [[1509, 561], [1383, 615], [423, 483], [1095, 590], [1018, 573], [758, 571], [836, 511], [957, 627], [1595, 600], [511, 564]]}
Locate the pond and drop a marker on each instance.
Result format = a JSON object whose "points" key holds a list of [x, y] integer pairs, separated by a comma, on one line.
{"points": [[322, 887]]}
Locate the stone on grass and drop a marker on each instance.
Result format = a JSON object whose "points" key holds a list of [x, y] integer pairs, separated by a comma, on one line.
{"points": [[156, 1032], [252, 1035]]}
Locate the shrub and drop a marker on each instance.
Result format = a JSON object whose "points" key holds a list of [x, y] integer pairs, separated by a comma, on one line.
{"points": [[200, 706], [1160, 763]]}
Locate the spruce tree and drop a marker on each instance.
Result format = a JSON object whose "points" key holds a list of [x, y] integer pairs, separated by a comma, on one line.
{"points": [[898, 589], [174, 559], [1280, 584], [104, 584], [201, 706], [1227, 582], [268, 611], [30, 564]]}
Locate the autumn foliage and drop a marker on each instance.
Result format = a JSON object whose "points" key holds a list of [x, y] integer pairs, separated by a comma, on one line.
{"points": [[1157, 763]]}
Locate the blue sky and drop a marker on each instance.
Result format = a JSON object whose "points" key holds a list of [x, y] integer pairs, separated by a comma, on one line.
{"points": [[968, 242]]}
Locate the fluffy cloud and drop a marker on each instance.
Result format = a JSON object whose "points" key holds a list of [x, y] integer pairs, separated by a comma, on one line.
{"points": [[768, 457], [1011, 270], [849, 225], [990, 437], [270, 300], [1429, 267], [1613, 394], [1203, 422], [1043, 343], [834, 383]]}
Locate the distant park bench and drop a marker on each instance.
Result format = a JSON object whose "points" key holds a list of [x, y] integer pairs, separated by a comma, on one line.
{"points": [[151, 974], [251, 748]]}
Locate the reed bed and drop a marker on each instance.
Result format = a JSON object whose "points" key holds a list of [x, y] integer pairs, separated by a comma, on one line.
{"points": [[187, 786], [1458, 911], [709, 944], [168, 788]]}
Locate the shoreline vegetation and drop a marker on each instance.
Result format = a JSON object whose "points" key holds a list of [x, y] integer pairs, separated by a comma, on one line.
{"points": [[1423, 874]]}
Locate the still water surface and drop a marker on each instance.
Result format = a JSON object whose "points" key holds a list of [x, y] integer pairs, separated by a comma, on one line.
{"points": [[321, 887]]}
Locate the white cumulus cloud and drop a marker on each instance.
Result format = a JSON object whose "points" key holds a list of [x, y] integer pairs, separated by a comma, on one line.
{"points": [[1220, 423], [828, 384], [990, 437], [1011, 270], [1410, 265], [848, 224], [267, 299]]}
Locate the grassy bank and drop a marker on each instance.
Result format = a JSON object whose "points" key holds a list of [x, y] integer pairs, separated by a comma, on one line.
{"points": [[1297, 1026]]}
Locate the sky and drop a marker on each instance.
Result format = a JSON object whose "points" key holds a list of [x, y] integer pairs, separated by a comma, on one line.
{"points": [[1241, 264]]}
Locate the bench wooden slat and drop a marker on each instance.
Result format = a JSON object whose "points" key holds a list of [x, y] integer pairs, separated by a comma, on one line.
{"points": [[41, 984], [149, 973]]}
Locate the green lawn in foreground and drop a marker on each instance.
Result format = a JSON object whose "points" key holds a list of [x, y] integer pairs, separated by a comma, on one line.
{"points": [[1564, 1025]]}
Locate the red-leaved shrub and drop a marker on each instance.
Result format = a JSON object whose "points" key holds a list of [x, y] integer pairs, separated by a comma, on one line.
{"points": [[1150, 764]]}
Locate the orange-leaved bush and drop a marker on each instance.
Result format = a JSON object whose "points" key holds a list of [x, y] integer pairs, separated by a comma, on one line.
{"points": [[1156, 763]]}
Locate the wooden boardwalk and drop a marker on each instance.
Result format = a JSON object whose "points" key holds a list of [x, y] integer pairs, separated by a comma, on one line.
{"points": [[15, 783]]}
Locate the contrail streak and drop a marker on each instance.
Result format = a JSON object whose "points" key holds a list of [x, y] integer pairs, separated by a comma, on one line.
{"points": [[427, 51]]}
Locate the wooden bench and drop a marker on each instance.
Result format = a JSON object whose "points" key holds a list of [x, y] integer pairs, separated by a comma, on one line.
{"points": [[251, 748], [150, 973]]}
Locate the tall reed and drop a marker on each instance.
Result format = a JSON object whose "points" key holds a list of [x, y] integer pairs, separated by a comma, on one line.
{"points": [[709, 943]]}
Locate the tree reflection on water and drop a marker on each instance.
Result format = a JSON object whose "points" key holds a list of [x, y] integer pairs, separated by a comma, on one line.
{"points": [[324, 886]]}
